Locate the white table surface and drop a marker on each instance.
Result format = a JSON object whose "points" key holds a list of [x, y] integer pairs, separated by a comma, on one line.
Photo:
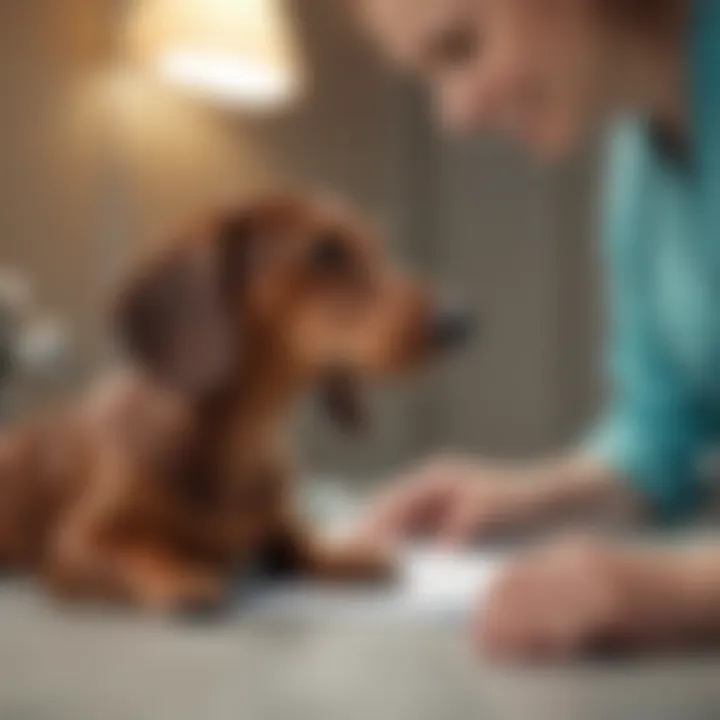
{"points": [[56, 667], [294, 664]]}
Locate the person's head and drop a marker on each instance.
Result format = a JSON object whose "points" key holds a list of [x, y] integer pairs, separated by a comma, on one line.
{"points": [[541, 71]]}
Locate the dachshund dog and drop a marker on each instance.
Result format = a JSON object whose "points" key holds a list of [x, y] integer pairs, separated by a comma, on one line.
{"points": [[169, 478]]}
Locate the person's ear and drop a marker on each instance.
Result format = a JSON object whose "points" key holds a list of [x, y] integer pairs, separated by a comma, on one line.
{"points": [[342, 398]]}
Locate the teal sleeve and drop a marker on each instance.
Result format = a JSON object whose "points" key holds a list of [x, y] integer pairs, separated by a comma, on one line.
{"points": [[651, 435]]}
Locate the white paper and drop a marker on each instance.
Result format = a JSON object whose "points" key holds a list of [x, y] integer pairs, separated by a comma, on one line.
{"points": [[433, 587], [447, 580]]}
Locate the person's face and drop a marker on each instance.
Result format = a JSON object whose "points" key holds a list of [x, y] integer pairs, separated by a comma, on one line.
{"points": [[537, 71]]}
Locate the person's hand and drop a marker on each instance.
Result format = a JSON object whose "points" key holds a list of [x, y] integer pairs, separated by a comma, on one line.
{"points": [[577, 597], [455, 501]]}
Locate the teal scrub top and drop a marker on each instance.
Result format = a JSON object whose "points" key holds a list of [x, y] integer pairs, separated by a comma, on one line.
{"points": [[662, 245]]}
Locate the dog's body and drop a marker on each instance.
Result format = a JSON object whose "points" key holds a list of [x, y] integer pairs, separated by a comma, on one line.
{"points": [[172, 474], [128, 494]]}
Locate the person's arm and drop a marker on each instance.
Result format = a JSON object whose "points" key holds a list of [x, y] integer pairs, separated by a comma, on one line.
{"points": [[577, 596], [577, 485], [456, 501], [643, 454], [652, 435]]}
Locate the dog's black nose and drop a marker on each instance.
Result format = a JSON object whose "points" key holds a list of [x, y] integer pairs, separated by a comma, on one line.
{"points": [[452, 327]]}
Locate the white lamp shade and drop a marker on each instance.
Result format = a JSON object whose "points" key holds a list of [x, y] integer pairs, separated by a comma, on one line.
{"points": [[239, 51]]}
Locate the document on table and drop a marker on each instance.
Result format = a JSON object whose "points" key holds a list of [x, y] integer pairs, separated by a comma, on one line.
{"points": [[433, 586]]}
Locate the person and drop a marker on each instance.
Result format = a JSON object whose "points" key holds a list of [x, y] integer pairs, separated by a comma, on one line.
{"points": [[548, 73]]}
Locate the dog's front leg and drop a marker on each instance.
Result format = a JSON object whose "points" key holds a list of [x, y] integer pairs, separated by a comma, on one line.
{"points": [[306, 553], [157, 580], [106, 546], [143, 573]]}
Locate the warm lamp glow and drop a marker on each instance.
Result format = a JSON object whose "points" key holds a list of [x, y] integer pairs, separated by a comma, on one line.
{"points": [[238, 51]]}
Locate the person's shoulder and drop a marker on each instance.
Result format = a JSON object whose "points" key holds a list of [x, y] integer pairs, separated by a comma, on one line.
{"points": [[628, 163], [625, 142]]}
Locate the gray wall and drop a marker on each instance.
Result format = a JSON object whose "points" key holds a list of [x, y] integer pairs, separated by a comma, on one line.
{"points": [[98, 162], [518, 239]]}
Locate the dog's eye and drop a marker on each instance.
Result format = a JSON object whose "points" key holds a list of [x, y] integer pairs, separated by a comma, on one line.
{"points": [[331, 255]]}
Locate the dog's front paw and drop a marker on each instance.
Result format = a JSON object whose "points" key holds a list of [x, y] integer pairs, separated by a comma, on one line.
{"points": [[201, 610], [194, 597], [355, 561]]}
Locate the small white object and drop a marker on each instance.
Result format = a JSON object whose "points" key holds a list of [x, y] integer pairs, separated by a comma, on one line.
{"points": [[433, 588], [448, 581]]}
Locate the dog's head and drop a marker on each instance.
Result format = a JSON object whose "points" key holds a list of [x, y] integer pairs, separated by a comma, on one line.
{"points": [[282, 283]]}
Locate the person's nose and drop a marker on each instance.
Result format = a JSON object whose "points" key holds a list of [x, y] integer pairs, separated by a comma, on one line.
{"points": [[463, 108]]}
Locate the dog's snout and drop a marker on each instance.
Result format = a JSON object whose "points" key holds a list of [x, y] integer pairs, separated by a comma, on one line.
{"points": [[452, 327]]}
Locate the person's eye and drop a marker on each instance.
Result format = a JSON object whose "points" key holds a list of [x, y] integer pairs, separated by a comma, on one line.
{"points": [[456, 46]]}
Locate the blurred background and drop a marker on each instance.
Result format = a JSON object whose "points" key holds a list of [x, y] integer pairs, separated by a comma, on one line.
{"points": [[119, 118]]}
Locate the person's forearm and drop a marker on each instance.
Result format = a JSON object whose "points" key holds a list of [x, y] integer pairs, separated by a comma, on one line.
{"points": [[573, 486], [673, 596]]}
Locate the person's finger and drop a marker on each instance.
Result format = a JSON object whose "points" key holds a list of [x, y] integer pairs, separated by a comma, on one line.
{"points": [[520, 635], [422, 511], [576, 606], [560, 614], [498, 617], [409, 502], [476, 513], [461, 524]]}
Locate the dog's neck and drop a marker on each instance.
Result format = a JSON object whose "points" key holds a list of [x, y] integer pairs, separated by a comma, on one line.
{"points": [[252, 409], [238, 432]]}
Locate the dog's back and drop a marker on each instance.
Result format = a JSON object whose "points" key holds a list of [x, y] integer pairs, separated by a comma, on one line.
{"points": [[46, 464], [38, 462]]}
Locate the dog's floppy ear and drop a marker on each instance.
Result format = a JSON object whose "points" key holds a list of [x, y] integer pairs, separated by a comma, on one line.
{"points": [[174, 319], [341, 395]]}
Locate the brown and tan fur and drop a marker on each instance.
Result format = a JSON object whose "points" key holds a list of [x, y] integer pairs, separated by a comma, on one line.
{"points": [[164, 482]]}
